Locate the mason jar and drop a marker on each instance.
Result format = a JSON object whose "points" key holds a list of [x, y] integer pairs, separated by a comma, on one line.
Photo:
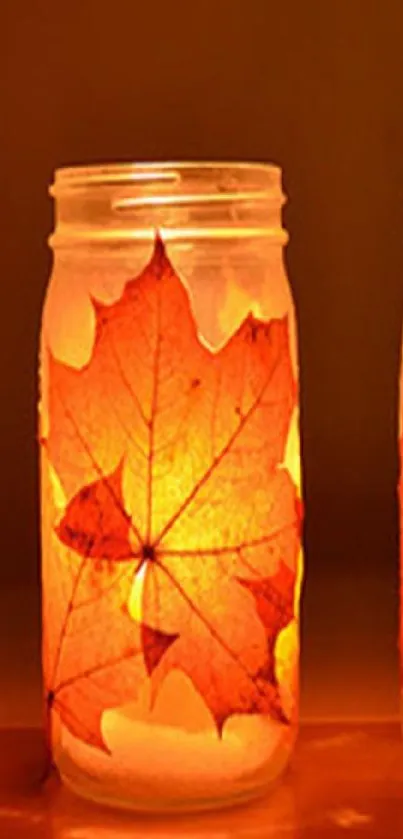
{"points": [[171, 499]]}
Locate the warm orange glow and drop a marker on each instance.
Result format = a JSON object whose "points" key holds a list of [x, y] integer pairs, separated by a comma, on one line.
{"points": [[400, 489], [171, 522]]}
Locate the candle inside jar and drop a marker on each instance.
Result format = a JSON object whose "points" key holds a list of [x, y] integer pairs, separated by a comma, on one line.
{"points": [[175, 748]]}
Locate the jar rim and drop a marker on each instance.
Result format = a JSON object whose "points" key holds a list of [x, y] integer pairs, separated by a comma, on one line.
{"points": [[185, 199], [263, 177]]}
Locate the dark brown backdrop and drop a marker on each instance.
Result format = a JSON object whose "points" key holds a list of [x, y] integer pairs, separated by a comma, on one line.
{"points": [[316, 87]]}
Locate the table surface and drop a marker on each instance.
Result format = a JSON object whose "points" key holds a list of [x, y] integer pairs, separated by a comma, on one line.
{"points": [[344, 780]]}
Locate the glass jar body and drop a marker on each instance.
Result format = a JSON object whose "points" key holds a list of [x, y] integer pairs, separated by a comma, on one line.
{"points": [[170, 501]]}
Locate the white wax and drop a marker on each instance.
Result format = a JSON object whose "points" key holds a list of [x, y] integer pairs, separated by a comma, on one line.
{"points": [[152, 757]]}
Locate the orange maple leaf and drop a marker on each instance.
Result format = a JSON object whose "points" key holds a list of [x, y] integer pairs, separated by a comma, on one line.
{"points": [[93, 651], [171, 460]]}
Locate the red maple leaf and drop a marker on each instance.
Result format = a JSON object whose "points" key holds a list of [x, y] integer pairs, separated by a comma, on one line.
{"points": [[171, 460], [274, 597]]}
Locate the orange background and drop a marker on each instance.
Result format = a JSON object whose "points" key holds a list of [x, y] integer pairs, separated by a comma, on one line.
{"points": [[316, 87]]}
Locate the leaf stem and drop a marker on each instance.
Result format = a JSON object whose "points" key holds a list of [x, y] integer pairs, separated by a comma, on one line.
{"points": [[153, 412]]}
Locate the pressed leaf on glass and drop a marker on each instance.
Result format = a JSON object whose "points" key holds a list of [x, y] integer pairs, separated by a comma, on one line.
{"points": [[169, 460]]}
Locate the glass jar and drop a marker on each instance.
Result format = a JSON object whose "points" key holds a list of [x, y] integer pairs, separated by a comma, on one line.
{"points": [[170, 485], [400, 504]]}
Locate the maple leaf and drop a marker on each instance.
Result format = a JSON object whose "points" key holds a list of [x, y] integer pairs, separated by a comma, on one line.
{"points": [[274, 598], [93, 651], [94, 527], [171, 459]]}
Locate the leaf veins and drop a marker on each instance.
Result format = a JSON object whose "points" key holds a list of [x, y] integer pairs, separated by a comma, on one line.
{"points": [[171, 460]]}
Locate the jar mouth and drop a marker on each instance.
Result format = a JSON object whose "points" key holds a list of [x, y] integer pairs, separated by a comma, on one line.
{"points": [[184, 200], [208, 180]]}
